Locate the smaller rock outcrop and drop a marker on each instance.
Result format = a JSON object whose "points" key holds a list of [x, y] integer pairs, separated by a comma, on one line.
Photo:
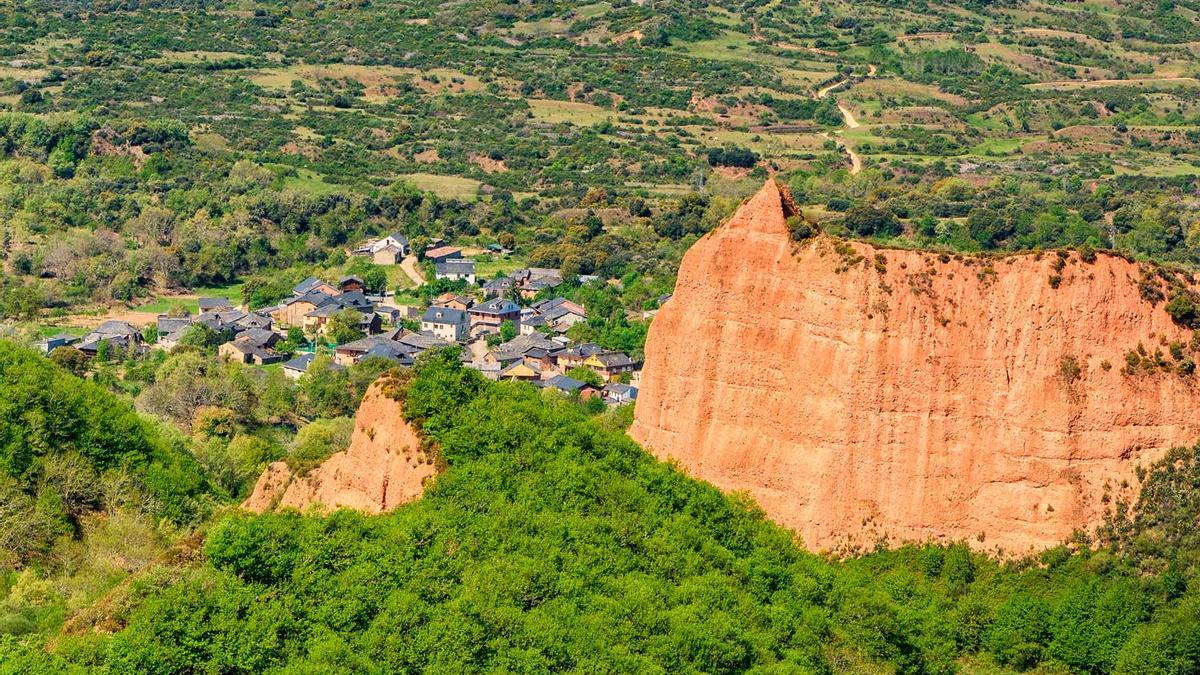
{"points": [[383, 467]]}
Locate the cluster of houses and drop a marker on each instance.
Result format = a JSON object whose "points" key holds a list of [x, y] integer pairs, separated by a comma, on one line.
{"points": [[537, 352], [458, 318], [449, 264]]}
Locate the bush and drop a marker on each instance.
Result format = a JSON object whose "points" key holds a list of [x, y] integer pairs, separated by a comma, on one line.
{"points": [[868, 221], [743, 158], [800, 229], [1184, 308], [317, 441]]}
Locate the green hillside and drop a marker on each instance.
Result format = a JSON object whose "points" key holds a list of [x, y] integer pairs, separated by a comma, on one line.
{"points": [[553, 543], [160, 147]]}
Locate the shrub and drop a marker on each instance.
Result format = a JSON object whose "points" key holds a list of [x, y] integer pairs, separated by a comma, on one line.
{"points": [[734, 156], [869, 221], [1184, 308], [800, 229]]}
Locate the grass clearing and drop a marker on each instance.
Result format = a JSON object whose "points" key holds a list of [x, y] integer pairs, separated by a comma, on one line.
{"points": [[488, 267], [1165, 83], [666, 189], [569, 112], [49, 329], [1160, 169], [22, 74], [450, 187], [210, 140], [374, 78], [998, 146], [191, 302], [731, 46], [197, 56], [311, 182]]}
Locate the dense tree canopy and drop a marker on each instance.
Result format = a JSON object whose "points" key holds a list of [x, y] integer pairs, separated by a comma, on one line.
{"points": [[552, 544]]}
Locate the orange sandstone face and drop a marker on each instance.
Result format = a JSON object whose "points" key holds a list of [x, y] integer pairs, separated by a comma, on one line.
{"points": [[858, 393], [382, 468]]}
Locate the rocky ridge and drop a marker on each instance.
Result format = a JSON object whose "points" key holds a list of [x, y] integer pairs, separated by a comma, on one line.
{"points": [[861, 394]]}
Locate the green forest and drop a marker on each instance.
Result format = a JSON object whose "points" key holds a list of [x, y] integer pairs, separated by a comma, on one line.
{"points": [[554, 543]]}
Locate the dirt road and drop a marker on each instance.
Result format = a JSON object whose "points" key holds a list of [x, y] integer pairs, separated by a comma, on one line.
{"points": [[848, 116], [409, 265], [856, 163], [823, 92]]}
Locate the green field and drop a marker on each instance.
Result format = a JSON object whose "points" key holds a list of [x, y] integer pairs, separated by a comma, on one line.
{"points": [[190, 302], [488, 267], [450, 187], [310, 182]]}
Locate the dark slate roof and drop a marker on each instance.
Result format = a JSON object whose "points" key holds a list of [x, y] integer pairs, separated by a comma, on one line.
{"points": [[496, 306], [564, 383], [455, 266], [533, 345], [326, 310], [559, 312], [113, 328], [262, 352], [392, 352], [307, 285], [423, 340], [303, 361], [627, 390], [531, 273], [499, 284], [255, 320], [220, 320], [543, 282], [92, 342], [354, 299], [300, 362], [207, 304], [548, 304], [444, 315], [583, 350], [556, 307], [348, 278], [260, 337], [614, 359], [364, 345], [167, 325], [315, 298]]}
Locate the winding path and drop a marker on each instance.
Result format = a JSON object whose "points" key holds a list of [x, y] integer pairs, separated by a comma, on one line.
{"points": [[848, 116], [409, 265], [856, 162]]}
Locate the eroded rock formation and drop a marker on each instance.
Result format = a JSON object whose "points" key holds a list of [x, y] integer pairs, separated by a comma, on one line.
{"points": [[383, 467], [859, 393]]}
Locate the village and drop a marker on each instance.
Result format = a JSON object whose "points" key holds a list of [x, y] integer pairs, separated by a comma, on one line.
{"points": [[508, 328]]}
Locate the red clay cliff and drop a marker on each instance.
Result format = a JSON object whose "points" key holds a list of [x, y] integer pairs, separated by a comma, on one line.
{"points": [[859, 393], [383, 467]]}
